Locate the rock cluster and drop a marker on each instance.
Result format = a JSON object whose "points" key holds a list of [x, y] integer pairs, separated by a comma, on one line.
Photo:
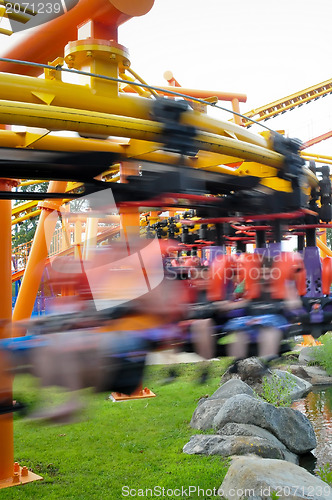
{"points": [[264, 441], [316, 375], [253, 371], [245, 424]]}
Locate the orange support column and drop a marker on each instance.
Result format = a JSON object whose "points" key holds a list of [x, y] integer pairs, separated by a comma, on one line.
{"points": [[129, 216], [6, 421], [236, 108], [78, 239], [65, 233], [153, 217], [130, 225], [38, 255], [11, 473]]}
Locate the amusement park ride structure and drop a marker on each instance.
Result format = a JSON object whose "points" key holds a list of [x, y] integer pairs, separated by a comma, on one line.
{"points": [[220, 185]]}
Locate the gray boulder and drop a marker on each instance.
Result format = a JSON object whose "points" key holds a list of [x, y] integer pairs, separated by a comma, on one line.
{"points": [[300, 371], [258, 478], [208, 408], [297, 386], [227, 446], [308, 354], [290, 426], [231, 388], [317, 375], [205, 412], [233, 429], [249, 370]]}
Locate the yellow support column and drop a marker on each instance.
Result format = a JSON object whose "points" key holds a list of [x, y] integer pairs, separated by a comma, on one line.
{"points": [[324, 241], [323, 247], [99, 56]]}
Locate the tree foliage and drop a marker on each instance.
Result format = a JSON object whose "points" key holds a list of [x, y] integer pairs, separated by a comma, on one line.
{"points": [[24, 231], [329, 238]]}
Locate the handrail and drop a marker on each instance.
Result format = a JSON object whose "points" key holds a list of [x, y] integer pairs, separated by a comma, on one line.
{"points": [[56, 248]]}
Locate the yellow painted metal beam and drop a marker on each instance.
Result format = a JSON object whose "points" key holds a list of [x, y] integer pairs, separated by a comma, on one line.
{"points": [[23, 207], [102, 124], [27, 207], [30, 183], [317, 158], [148, 151], [38, 254], [323, 247], [33, 90], [197, 93], [311, 178], [57, 93], [30, 215], [144, 151]]}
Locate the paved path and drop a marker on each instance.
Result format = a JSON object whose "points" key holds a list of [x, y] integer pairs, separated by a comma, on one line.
{"points": [[170, 357]]}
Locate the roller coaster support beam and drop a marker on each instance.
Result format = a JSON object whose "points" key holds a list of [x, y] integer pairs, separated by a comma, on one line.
{"points": [[57, 93], [147, 151], [102, 124], [47, 42], [105, 58], [6, 420], [101, 57], [316, 140], [129, 216], [210, 95], [314, 157], [38, 255], [323, 247], [198, 93]]}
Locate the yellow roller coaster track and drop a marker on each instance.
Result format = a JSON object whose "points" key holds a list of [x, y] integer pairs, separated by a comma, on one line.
{"points": [[288, 103], [327, 160]]}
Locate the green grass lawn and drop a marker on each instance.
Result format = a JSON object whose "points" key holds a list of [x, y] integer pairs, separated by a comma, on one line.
{"points": [[135, 444]]}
